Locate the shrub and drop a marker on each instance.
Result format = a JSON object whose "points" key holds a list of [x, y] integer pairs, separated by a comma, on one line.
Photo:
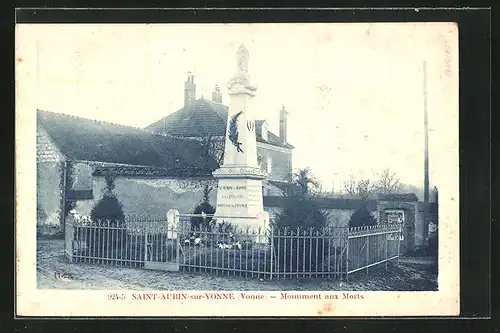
{"points": [[197, 222], [300, 211], [108, 207], [362, 217], [107, 213]]}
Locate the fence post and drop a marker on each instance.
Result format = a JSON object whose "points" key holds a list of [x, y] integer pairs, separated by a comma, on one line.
{"points": [[347, 257], [69, 240], [399, 243], [386, 250], [367, 252], [146, 236], [272, 253]]}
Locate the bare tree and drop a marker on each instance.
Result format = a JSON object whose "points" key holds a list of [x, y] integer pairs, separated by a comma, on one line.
{"points": [[388, 183], [349, 187], [365, 189], [213, 148], [359, 189]]}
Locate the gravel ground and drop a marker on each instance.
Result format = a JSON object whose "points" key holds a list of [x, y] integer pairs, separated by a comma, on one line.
{"points": [[410, 274]]}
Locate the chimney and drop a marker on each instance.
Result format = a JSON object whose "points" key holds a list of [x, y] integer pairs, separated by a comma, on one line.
{"points": [[283, 124], [216, 95], [189, 90]]}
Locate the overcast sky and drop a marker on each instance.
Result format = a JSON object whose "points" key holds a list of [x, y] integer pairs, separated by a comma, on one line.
{"points": [[354, 91]]}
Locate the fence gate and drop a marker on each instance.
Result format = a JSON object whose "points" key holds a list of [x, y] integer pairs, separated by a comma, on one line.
{"points": [[161, 248]]}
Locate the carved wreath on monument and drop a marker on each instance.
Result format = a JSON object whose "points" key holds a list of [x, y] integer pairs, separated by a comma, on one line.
{"points": [[233, 132]]}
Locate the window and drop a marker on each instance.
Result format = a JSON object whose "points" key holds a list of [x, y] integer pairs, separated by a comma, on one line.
{"points": [[264, 131], [269, 164], [260, 162]]}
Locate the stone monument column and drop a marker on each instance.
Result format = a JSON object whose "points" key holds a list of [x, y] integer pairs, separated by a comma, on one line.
{"points": [[239, 193]]}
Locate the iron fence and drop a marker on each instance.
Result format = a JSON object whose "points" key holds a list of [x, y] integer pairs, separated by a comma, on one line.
{"points": [[371, 246], [196, 243]]}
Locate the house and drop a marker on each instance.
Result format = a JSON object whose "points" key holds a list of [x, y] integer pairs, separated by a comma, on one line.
{"points": [[205, 120], [153, 172]]}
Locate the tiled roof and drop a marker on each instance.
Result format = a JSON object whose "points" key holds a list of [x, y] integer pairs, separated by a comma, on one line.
{"points": [[203, 118], [91, 140], [274, 140]]}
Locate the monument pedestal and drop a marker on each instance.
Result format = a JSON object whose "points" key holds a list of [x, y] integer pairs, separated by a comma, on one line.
{"points": [[239, 196]]}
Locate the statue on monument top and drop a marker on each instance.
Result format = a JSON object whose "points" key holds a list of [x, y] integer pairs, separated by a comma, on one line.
{"points": [[242, 57], [241, 76]]}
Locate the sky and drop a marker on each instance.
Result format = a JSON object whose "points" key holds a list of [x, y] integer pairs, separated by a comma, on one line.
{"points": [[354, 91]]}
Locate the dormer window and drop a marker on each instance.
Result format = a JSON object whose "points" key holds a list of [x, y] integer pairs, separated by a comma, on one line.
{"points": [[264, 131]]}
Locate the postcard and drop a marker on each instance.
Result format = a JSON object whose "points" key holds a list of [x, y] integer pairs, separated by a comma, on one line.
{"points": [[249, 170]]}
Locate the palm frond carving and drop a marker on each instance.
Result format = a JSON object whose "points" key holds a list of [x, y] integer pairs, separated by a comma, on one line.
{"points": [[233, 131]]}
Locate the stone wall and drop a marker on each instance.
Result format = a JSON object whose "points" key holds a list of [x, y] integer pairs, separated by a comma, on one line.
{"points": [[46, 150], [420, 238], [49, 177], [149, 197], [419, 228], [49, 195]]}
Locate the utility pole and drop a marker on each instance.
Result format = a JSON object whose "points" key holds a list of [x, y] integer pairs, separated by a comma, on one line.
{"points": [[426, 158]]}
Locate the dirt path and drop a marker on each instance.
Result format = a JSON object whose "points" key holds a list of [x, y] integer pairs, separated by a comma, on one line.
{"points": [[51, 260]]}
